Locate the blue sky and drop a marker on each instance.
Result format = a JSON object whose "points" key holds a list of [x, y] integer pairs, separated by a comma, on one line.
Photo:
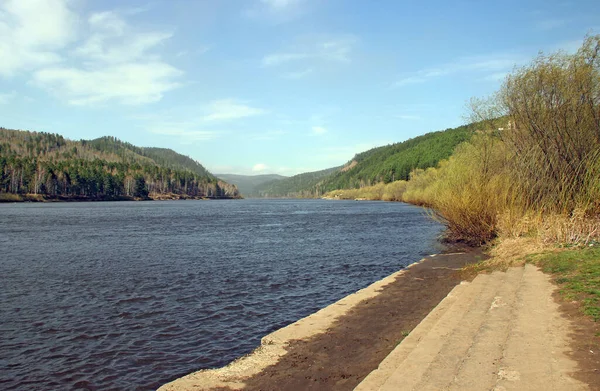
{"points": [[266, 86]]}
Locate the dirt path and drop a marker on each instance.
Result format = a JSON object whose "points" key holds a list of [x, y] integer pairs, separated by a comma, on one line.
{"points": [[344, 351], [503, 331]]}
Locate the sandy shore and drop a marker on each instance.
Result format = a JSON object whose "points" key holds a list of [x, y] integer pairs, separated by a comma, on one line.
{"points": [[336, 347]]}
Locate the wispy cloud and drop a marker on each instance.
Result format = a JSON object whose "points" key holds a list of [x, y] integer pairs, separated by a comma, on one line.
{"points": [[119, 64], [199, 122], [410, 117], [486, 65], [7, 97], [30, 41], [337, 49], [280, 4], [549, 24], [267, 136], [130, 83], [277, 11], [229, 109], [282, 58], [570, 46], [113, 42], [85, 61], [297, 75], [260, 167], [410, 80], [318, 130]]}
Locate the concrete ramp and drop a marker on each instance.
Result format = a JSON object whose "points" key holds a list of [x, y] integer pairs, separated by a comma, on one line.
{"points": [[502, 331]]}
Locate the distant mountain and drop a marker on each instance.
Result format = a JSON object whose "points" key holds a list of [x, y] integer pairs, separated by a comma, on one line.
{"points": [[49, 166], [247, 184], [303, 185]]}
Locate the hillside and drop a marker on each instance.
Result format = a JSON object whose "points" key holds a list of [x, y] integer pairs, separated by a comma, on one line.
{"points": [[162, 156], [396, 161], [382, 164], [303, 185], [52, 167], [247, 184]]}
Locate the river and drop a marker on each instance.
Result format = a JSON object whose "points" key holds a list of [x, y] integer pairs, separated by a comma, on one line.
{"points": [[130, 295]]}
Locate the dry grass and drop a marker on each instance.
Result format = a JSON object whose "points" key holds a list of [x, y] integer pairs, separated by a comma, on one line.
{"points": [[508, 252], [10, 197], [573, 229]]}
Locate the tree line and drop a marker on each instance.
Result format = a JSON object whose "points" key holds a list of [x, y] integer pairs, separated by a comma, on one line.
{"points": [[50, 165]]}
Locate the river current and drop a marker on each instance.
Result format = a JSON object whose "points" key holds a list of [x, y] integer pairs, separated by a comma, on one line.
{"points": [[130, 295]]}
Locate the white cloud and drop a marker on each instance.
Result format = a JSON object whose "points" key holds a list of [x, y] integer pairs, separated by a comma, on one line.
{"points": [[318, 130], [549, 24], [113, 41], [101, 59], [280, 4], [282, 58], [329, 50], [228, 109], [408, 117], [260, 167], [492, 66], [409, 80], [297, 75], [338, 49], [277, 11], [30, 41], [571, 46], [129, 83], [200, 123], [6, 98]]}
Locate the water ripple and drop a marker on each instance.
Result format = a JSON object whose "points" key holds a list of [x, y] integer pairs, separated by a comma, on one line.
{"points": [[128, 296]]}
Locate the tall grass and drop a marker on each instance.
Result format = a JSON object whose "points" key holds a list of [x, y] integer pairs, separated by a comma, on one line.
{"points": [[469, 191], [534, 171], [540, 174]]}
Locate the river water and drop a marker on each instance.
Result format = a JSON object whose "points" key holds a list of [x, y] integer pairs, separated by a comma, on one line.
{"points": [[130, 295]]}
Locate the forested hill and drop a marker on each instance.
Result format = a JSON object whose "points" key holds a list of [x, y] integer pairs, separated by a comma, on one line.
{"points": [[162, 156], [396, 161], [382, 164], [303, 185], [50, 166], [247, 184]]}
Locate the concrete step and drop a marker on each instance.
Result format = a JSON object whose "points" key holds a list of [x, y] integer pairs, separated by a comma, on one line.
{"points": [[477, 367], [410, 373], [502, 332], [378, 377], [534, 354]]}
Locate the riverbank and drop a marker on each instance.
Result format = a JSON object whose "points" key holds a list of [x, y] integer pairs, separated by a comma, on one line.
{"points": [[337, 347], [11, 198]]}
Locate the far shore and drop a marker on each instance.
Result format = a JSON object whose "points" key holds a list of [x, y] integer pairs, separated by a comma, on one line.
{"points": [[13, 198]]}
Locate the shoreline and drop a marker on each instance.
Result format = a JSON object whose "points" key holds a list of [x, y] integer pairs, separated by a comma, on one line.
{"points": [[8, 198], [403, 299]]}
